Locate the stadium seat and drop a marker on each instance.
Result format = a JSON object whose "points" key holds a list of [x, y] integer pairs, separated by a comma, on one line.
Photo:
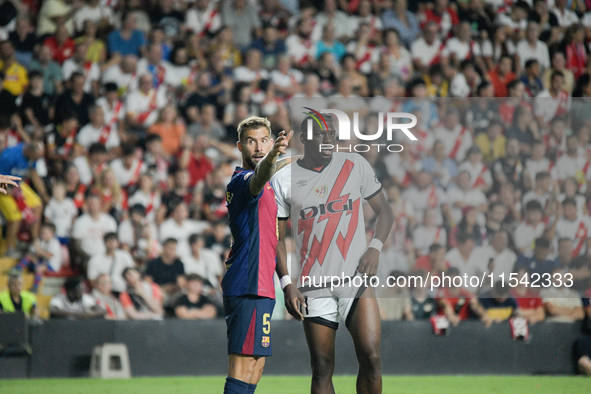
{"points": [[6, 263], [28, 281], [3, 281], [43, 305]]}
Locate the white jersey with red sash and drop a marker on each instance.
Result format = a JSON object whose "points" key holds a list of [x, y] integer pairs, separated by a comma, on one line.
{"points": [[456, 141], [479, 173], [111, 124], [548, 107], [577, 231]]}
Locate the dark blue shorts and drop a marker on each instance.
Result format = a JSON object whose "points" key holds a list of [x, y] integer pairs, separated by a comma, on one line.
{"points": [[249, 324]]}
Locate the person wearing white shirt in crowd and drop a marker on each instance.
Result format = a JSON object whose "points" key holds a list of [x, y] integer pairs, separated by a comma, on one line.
{"points": [[300, 47], [573, 164], [130, 230], [464, 259], [252, 70], [428, 233], [424, 195], [463, 195], [181, 228], [287, 80], [309, 95], [554, 101], [47, 249], [426, 49], [123, 74], [562, 304], [92, 163], [364, 16], [101, 15], [339, 19], [60, 211], [570, 188], [143, 105], [462, 47], [203, 18], [113, 108], [90, 228], [565, 17], [540, 192], [538, 162], [366, 53], [203, 262], [128, 168], [496, 258], [74, 304], [573, 226], [533, 48], [160, 70], [97, 131], [516, 18], [112, 262], [480, 175], [455, 137], [529, 229], [90, 71], [148, 196]]}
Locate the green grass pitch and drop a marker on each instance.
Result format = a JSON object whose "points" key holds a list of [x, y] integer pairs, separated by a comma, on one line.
{"points": [[300, 385]]}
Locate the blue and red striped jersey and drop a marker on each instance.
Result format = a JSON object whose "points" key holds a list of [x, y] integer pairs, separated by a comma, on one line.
{"points": [[253, 222]]}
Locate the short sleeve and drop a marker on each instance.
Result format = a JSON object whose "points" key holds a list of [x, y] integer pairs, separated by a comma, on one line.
{"points": [[370, 185]]}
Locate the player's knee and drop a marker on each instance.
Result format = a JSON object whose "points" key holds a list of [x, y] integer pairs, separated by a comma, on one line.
{"points": [[322, 366], [371, 360]]}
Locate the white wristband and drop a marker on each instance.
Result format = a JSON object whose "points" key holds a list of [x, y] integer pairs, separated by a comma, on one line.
{"points": [[376, 244], [285, 280]]}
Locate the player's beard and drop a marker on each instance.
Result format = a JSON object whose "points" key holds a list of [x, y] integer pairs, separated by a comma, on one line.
{"points": [[250, 160]]}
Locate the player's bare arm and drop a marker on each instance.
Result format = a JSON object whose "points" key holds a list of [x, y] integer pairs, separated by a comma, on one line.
{"points": [[368, 263], [6, 180], [265, 168], [293, 297]]}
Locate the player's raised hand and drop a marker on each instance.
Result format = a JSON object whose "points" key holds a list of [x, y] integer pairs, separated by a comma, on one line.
{"points": [[293, 300], [6, 180], [368, 263], [281, 143]]}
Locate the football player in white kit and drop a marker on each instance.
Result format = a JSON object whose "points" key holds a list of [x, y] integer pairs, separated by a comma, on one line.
{"points": [[323, 192]]}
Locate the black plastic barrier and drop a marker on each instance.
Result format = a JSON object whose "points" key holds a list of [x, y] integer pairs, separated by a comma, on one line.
{"points": [[173, 347]]}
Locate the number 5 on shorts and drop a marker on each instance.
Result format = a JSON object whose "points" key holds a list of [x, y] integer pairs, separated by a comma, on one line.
{"points": [[266, 324]]}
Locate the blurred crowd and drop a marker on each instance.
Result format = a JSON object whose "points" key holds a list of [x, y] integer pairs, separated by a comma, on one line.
{"points": [[121, 116]]}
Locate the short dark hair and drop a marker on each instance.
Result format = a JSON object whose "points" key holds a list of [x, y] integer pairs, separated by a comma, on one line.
{"points": [[97, 147], [192, 277], [194, 238], [435, 248], [50, 226], [72, 283], [542, 242], [109, 236], [126, 270], [35, 74], [533, 205], [170, 241], [111, 87], [530, 62], [569, 201]]}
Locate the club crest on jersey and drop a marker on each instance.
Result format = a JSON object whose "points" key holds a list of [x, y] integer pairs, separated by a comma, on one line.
{"points": [[321, 191], [266, 341]]}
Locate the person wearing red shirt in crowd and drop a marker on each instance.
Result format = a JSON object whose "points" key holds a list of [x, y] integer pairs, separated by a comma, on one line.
{"points": [[443, 15], [433, 262], [61, 44], [501, 76], [530, 304], [192, 158], [456, 303], [575, 50]]}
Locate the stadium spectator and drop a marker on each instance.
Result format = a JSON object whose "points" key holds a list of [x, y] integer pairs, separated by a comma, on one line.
{"points": [[455, 137], [180, 227], [36, 106], [74, 304], [529, 303], [428, 233], [193, 304], [453, 302], [61, 45], [498, 257], [562, 303], [112, 262], [498, 303], [423, 306], [403, 21], [60, 211], [45, 254], [15, 75], [104, 298], [531, 228], [74, 100], [241, 17], [571, 225], [141, 300], [142, 105], [16, 299], [539, 262], [203, 262], [51, 70], [531, 78], [90, 228], [502, 75], [531, 47], [23, 39], [127, 40], [167, 271]]}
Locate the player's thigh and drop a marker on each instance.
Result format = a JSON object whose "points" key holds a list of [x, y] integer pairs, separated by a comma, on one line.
{"points": [[364, 324], [31, 198], [9, 208], [248, 321]]}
